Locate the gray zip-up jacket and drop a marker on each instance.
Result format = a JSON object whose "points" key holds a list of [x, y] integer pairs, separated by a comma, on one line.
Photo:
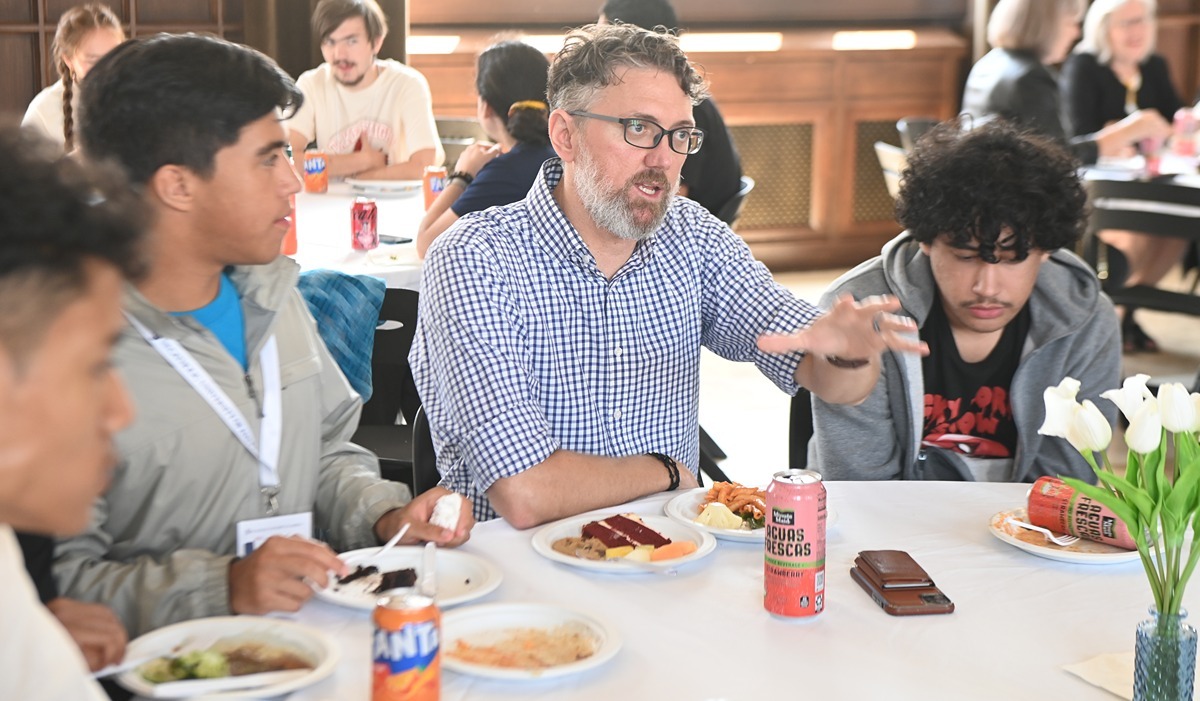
{"points": [[162, 536], [1073, 332]]}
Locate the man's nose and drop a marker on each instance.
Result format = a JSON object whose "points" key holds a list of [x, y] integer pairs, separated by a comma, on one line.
{"points": [[986, 279]]}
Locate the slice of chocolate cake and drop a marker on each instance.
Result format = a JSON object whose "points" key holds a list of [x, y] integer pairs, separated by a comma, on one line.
{"points": [[615, 531]]}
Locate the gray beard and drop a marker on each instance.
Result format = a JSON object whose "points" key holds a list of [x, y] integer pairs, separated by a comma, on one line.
{"points": [[612, 211]]}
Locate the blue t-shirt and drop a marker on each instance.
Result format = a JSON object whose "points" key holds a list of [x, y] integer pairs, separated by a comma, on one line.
{"points": [[223, 316], [504, 179]]}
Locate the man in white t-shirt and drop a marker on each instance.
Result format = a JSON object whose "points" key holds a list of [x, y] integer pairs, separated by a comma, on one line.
{"points": [[372, 117], [70, 239]]}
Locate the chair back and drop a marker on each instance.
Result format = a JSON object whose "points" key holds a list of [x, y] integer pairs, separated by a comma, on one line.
{"points": [[732, 209], [801, 430], [912, 129], [394, 389], [893, 161], [425, 472]]}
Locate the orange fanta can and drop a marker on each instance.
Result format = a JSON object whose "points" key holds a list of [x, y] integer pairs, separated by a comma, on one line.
{"points": [[434, 183], [316, 172], [406, 648]]}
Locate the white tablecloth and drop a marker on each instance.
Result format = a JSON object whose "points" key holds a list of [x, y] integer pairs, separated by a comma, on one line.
{"points": [[323, 236], [704, 634]]}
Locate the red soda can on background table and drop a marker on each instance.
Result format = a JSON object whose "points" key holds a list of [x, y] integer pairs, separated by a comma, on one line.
{"points": [[794, 545], [1183, 140], [316, 172], [434, 183], [406, 649], [364, 224]]}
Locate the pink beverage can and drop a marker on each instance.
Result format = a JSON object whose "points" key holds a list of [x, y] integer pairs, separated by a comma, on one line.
{"points": [[1183, 141], [364, 229], [794, 545], [1055, 505]]}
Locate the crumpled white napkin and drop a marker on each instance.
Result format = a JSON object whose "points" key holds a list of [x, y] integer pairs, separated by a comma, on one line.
{"points": [[1112, 672]]}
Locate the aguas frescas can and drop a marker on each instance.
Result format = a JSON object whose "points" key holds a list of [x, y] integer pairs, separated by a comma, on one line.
{"points": [[794, 545], [406, 648]]}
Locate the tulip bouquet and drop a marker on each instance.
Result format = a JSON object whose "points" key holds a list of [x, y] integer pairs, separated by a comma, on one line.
{"points": [[1158, 502]]}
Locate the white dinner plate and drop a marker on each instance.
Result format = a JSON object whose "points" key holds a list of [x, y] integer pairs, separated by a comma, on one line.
{"points": [[461, 576], [544, 539], [1083, 552], [394, 188], [301, 639], [490, 623], [686, 507]]}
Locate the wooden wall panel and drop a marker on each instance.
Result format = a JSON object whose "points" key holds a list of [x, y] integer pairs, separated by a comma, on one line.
{"points": [[19, 56], [19, 11]]}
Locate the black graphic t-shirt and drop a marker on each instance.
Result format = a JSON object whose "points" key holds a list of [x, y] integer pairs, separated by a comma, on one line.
{"points": [[967, 408]]}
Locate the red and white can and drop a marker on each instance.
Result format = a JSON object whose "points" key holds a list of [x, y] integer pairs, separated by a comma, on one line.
{"points": [[1055, 505], [364, 224], [1183, 141], [794, 545], [406, 650]]}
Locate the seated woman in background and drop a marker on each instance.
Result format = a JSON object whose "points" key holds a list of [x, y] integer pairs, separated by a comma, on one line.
{"points": [[1013, 81], [84, 35], [1113, 73], [511, 81]]}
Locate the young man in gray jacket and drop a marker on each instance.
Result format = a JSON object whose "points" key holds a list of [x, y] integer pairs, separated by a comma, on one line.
{"points": [[241, 448], [1006, 313]]}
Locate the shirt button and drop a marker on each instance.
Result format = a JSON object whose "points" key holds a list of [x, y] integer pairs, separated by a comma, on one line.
{"points": [[618, 351], [616, 413]]}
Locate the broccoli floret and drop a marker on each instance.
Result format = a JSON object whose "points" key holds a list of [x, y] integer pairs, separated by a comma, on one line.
{"points": [[201, 664], [158, 671]]}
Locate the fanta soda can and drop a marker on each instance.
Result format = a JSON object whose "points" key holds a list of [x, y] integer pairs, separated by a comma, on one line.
{"points": [[316, 172], [406, 648], [435, 182]]}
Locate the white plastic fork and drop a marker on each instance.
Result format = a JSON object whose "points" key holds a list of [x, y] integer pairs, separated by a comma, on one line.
{"points": [[1061, 540]]}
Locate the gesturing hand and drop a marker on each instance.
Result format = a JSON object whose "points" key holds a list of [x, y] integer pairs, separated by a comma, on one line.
{"points": [[94, 628], [852, 330], [277, 575]]}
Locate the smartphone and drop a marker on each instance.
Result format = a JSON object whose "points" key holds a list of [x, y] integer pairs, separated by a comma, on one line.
{"points": [[387, 238], [906, 601]]}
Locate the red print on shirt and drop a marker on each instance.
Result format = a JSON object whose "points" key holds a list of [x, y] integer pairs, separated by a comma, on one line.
{"points": [[967, 430]]}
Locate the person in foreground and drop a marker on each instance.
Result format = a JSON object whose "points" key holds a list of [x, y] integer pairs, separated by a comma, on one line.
{"points": [[68, 236], [372, 117], [1013, 81], [558, 342], [225, 474], [714, 175], [1004, 307], [511, 81]]}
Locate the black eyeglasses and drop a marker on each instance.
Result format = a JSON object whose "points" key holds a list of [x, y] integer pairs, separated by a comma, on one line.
{"points": [[644, 133]]}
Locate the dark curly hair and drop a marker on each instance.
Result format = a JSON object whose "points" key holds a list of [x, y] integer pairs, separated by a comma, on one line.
{"points": [[56, 215], [176, 100], [975, 185]]}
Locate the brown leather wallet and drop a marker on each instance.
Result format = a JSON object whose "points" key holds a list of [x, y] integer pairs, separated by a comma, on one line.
{"points": [[892, 569]]}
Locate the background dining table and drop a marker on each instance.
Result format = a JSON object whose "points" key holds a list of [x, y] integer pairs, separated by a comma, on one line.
{"points": [[703, 634], [323, 235]]}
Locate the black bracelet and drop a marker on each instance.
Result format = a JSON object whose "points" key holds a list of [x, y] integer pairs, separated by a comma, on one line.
{"points": [[846, 363], [467, 178], [672, 469]]}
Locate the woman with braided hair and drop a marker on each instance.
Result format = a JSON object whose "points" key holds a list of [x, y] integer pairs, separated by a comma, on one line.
{"points": [[511, 82], [85, 33]]}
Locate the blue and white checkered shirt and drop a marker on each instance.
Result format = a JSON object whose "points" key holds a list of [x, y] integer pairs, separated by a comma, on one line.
{"points": [[523, 347]]}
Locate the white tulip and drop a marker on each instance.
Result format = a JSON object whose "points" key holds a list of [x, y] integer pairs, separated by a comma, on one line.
{"points": [[1175, 408], [1061, 408], [1089, 429], [1130, 397], [1145, 429]]}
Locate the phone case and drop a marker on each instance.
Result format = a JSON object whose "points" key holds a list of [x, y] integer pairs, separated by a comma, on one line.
{"points": [[893, 569], [917, 601]]}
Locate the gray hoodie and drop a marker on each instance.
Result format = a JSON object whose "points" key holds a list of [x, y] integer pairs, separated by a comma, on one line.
{"points": [[1073, 332]]}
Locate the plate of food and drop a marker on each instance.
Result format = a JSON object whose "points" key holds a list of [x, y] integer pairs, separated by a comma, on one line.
{"points": [[622, 543], [393, 188], [1081, 552], [525, 641], [461, 576], [728, 510], [196, 657]]}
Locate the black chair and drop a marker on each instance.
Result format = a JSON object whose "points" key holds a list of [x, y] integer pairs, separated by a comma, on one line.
{"points": [[732, 209], [394, 393], [800, 430], [912, 129], [425, 472]]}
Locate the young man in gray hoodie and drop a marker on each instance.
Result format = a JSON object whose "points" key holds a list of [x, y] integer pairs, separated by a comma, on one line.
{"points": [[1006, 311]]}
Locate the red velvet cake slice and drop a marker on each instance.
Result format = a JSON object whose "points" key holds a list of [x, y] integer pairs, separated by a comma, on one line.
{"points": [[615, 531]]}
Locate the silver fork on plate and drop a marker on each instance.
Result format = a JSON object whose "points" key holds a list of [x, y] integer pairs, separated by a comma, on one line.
{"points": [[1062, 540]]}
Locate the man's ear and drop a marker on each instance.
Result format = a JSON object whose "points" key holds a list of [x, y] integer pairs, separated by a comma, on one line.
{"points": [[562, 131], [924, 248], [174, 186]]}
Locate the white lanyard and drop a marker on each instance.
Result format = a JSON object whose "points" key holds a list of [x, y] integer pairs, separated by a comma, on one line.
{"points": [[264, 449]]}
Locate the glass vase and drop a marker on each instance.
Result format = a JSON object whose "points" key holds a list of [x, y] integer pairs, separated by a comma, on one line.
{"points": [[1165, 659]]}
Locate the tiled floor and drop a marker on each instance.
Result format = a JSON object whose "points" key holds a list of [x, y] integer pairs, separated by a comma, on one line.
{"points": [[748, 416]]}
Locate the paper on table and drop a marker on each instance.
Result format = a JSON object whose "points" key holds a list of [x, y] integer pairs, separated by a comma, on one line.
{"points": [[1112, 672]]}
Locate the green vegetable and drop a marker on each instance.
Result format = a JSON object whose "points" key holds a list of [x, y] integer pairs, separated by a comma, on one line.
{"points": [[754, 523], [158, 671], [199, 664]]}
